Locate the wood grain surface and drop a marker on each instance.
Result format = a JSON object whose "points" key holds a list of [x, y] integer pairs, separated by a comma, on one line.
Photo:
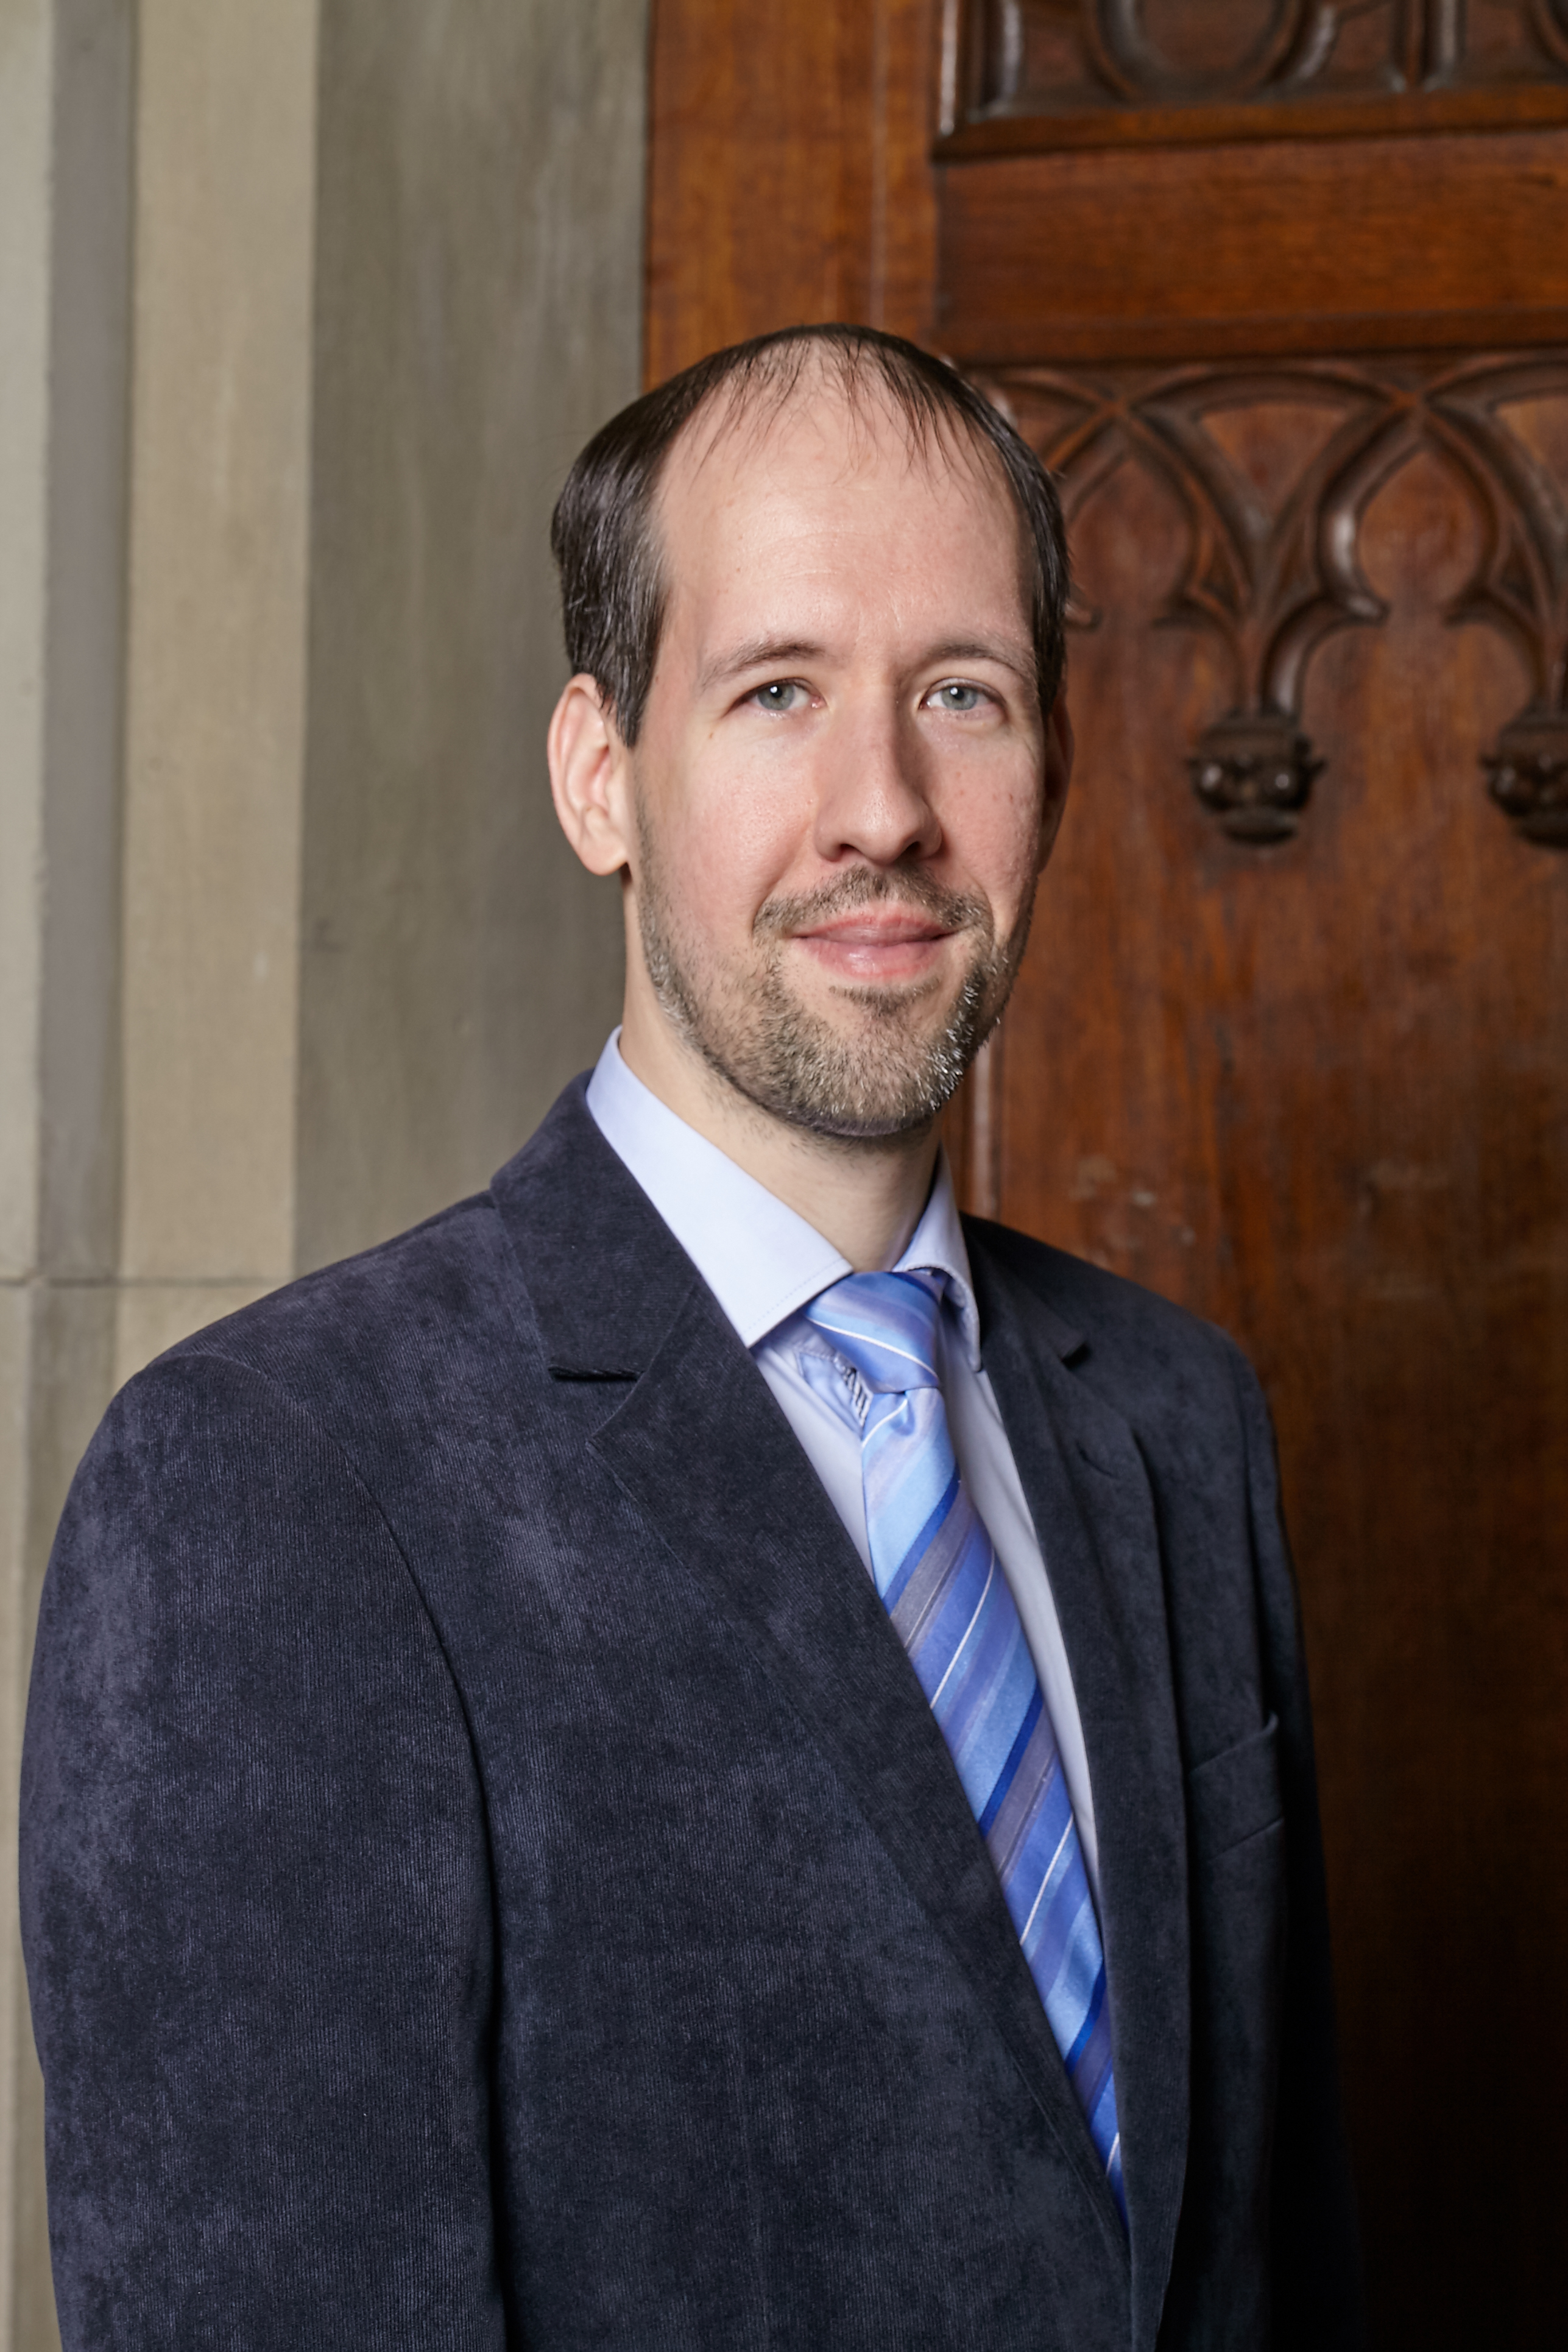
{"points": [[789, 177], [1287, 246], [1318, 1090]]}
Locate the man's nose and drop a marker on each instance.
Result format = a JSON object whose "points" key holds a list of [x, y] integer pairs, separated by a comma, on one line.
{"points": [[874, 800]]}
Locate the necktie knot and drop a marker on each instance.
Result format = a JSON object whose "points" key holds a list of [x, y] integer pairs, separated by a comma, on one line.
{"points": [[885, 1324]]}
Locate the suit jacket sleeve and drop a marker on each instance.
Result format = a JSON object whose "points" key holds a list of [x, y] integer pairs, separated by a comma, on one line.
{"points": [[255, 1899], [1316, 2270]]}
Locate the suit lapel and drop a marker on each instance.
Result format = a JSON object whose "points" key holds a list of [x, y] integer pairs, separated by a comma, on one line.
{"points": [[1087, 1489], [616, 1299], [765, 1538]]}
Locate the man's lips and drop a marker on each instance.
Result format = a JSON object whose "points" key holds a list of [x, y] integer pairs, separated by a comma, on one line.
{"points": [[867, 945], [864, 930]]}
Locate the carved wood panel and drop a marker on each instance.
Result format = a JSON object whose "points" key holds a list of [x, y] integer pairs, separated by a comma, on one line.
{"points": [[1285, 311], [1046, 57], [1320, 1095], [1271, 564], [1316, 1093]]}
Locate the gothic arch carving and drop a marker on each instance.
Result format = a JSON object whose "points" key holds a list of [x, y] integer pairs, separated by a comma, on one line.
{"points": [[1290, 39], [1051, 57], [1271, 582]]}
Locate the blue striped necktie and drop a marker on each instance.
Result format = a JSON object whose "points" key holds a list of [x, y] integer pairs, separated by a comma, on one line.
{"points": [[943, 1586]]}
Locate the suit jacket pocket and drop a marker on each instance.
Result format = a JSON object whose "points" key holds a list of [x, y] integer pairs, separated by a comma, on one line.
{"points": [[1235, 1795]]}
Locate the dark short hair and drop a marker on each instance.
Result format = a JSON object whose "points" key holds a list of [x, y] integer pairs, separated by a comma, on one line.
{"points": [[612, 590]]}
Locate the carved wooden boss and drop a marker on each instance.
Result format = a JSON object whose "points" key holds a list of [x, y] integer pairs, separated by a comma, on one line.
{"points": [[1384, 257]]}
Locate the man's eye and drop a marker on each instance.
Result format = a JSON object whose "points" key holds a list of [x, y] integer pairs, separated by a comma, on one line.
{"points": [[955, 696], [779, 694]]}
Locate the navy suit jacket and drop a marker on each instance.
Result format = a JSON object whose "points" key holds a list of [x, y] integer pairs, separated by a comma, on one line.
{"points": [[490, 1876]]}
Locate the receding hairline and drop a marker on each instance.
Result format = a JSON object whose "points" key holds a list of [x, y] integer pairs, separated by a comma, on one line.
{"points": [[788, 377], [605, 530], [785, 379]]}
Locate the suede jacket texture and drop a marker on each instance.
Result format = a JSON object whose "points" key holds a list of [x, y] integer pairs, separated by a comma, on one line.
{"points": [[490, 1876]]}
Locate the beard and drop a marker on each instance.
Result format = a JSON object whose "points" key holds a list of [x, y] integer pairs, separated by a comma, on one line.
{"points": [[898, 1055]]}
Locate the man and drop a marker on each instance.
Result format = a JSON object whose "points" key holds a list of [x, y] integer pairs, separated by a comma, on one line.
{"points": [[699, 1753]]}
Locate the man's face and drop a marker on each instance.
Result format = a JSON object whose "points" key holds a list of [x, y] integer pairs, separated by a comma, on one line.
{"points": [[842, 792]]}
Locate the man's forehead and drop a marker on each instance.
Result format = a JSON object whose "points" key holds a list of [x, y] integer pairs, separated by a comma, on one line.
{"points": [[748, 441], [829, 524]]}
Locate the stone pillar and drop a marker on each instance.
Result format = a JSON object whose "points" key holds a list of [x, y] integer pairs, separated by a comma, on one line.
{"points": [[220, 474], [65, 187], [290, 952], [479, 308]]}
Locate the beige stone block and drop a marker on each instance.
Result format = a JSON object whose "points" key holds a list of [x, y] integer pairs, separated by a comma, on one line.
{"points": [[15, 1422], [55, 1346], [480, 211], [34, 2327], [219, 501], [55, 1378], [15, 1392], [25, 80], [56, 1343], [64, 179]]}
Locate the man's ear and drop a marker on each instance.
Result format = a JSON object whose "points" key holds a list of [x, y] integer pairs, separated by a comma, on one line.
{"points": [[589, 777], [1058, 773]]}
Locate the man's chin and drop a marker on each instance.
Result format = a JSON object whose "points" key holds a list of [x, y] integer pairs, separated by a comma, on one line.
{"points": [[854, 1063], [875, 1071], [840, 1127]]}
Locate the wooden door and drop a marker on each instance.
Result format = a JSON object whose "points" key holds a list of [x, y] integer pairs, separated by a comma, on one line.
{"points": [[1280, 289]]}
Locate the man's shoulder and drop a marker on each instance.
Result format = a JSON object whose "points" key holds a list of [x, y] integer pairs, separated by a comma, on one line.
{"points": [[434, 1323], [371, 1334], [365, 1385]]}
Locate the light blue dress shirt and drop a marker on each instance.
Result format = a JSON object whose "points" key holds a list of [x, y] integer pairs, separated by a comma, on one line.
{"points": [[763, 1262]]}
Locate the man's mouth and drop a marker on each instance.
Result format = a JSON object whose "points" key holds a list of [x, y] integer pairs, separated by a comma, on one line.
{"points": [[885, 943]]}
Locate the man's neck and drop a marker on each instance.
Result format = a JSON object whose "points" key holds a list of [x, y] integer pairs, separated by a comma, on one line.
{"points": [[865, 1196]]}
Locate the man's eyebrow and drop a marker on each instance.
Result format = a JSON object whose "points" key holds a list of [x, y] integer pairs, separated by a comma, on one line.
{"points": [[1012, 653], [766, 652], [757, 653]]}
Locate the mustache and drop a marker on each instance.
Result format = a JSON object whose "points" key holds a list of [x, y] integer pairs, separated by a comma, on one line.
{"points": [[870, 886]]}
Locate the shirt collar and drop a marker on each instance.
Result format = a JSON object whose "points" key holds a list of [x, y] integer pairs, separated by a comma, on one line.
{"points": [[759, 1259]]}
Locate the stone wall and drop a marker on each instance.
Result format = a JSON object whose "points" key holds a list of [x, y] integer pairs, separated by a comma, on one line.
{"points": [[304, 307]]}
